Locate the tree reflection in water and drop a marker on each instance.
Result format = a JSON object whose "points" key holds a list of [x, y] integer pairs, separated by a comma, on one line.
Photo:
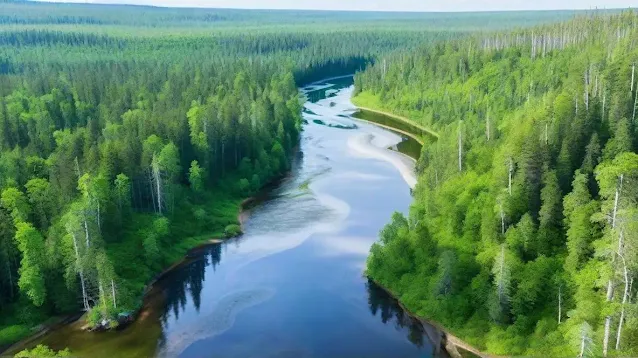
{"points": [[189, 279], [391, 312]]}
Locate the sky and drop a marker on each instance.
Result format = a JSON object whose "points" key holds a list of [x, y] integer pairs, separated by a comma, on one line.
{"points": [[382, 5]]}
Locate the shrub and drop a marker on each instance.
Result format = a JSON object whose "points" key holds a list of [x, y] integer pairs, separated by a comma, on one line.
{"points": [[243, 186], [42, 351], [12, 334], [233, 230]]}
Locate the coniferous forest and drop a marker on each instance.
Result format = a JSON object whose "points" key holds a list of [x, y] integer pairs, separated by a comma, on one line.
{"points": [[129, 135], [523, 235]]}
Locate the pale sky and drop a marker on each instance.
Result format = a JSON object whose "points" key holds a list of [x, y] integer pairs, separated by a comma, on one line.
{"points": [[382, 5]]}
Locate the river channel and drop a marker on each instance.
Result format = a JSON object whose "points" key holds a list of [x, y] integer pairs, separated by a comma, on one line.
{"points": [[293, 285]]}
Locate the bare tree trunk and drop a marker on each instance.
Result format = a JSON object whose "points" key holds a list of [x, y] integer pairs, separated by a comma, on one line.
{"points": [[610, 295], [86, 232], [616, 200], [633, 71], [385, 68], [624, 302], [158, 184], [546, 134], [460, 149], [85, 300], [586, 94], [113, 293], [633, 116], [152, 190], [487, 128], [610, 288]]}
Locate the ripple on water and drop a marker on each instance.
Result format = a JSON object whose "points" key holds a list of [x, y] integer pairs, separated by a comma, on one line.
{"points": [[216, 322]]}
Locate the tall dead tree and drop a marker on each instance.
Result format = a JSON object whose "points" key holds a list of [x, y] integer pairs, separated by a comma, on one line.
{"points": [[633, 72], [156, 177], [78, 262], [626, 292], [460, 143], [610, 283], [586, 92]]}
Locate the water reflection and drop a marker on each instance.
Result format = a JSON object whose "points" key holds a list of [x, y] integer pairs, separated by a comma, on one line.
{"points": [[390, 311], [292, 285], [189, 279]]}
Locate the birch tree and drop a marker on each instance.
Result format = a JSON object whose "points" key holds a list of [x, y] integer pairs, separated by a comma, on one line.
{"points": [[157, 184], [617, 181], [501, 272], [628, 260], [460, 146], [74, 227], [107, 281], [582, 338]]}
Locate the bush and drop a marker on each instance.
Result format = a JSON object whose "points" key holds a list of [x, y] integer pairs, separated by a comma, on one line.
{"points": [[233, 230], [255, 183], [243, 186], [94, 317], [42, 351], [12, 334]]}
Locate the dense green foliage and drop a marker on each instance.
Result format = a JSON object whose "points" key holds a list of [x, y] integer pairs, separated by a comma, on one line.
{"points": [[41, 351], [523, 235], [130, 134], [122, 147]]}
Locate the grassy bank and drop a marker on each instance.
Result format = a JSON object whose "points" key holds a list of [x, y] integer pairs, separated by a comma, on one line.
{"points": [[372, 103]]}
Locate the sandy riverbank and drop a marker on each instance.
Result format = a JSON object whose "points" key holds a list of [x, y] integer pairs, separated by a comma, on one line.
{"points": [[372, 145]]}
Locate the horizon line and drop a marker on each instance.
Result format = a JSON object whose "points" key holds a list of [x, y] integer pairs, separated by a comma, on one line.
{"points": [[99, 3]]}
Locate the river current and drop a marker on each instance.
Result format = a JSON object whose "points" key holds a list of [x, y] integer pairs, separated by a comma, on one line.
{"points": [[293, 285]]}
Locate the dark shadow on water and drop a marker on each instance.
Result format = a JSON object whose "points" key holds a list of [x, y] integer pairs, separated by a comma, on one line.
{"points": [[189, 280], [319, 94], [387, 308]]}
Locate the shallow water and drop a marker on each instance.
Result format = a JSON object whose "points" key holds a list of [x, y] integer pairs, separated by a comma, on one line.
{"points": [[292, 286]]}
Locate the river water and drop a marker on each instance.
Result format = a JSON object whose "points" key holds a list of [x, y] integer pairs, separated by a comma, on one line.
{"points": [[293, 285]]}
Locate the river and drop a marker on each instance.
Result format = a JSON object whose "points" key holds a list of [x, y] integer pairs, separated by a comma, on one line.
{"points": [[293, 285]]}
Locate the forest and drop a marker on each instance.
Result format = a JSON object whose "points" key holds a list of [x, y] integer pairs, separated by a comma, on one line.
{"points": [[130, 134], [522, 238]]}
